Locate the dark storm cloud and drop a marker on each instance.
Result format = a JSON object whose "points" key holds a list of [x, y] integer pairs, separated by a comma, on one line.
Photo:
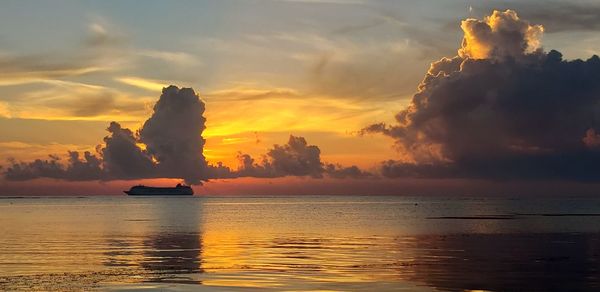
{"points": [[503, 109], [296, 158]]}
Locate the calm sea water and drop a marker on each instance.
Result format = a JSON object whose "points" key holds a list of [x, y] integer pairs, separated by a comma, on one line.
{"points": [[300, 243]]}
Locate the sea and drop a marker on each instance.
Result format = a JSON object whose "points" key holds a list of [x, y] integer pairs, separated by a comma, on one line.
{"points": [[300, 243]]}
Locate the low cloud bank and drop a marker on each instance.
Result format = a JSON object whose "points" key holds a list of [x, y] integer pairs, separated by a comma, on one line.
{"points": [[170, 145], [296, 158]]}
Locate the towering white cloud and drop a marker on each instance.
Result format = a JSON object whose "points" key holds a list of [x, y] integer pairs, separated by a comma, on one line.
{"points": [[500, 35]]}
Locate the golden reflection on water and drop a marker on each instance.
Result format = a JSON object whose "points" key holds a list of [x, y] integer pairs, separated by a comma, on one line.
{"points": [[284, 243]]}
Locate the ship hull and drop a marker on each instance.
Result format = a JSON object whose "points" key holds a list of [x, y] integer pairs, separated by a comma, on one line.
{"points": [[160, 191], [155, 194]]}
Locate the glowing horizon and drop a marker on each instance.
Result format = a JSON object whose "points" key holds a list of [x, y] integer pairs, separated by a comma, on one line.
{"points": [[353, 88]]}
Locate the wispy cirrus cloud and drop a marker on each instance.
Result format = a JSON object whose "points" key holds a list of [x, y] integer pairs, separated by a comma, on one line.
{"points": [[143, 83], [251, 93], [4, 110], [340, 2], [177, 58], [100, 52], [66, 100], [18, 70]]}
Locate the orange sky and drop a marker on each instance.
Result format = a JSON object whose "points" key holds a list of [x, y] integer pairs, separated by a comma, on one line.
{"points": [[322, 70]]}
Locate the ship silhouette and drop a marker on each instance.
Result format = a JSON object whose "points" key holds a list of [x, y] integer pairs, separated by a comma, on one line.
{"points": [[178, 190]]}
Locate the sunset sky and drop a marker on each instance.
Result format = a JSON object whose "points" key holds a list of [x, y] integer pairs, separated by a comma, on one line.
{"points": [[341, 74]]}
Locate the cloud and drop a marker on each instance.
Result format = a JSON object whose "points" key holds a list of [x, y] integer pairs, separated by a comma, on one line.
{"points": [[152, 85], [173, 134], [371, 74], [87, 168], [123, 158], [58, 99], [362, 67], [179, 58], [252, 93], [501, 109], [94, 106], [341, 2], [75, 169], [349, 29], [102, 51], [499, 35], [296, 158], [339, 171], [169, 145], [427, 41], [4, 110], [37, 68], [101, 37]]}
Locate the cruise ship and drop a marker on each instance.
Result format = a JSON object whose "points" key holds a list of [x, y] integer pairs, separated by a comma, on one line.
{"points": [[178, 190]]}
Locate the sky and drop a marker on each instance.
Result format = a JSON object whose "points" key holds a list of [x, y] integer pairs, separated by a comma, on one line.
{"points": [[300, 96]]}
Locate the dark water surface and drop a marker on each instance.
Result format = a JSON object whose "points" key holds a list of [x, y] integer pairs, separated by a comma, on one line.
{"points": [[300, 243]]}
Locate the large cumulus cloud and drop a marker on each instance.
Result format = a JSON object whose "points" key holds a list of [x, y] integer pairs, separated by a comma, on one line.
{"points": [[168, 145], [173, 134], [501, 109]]}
